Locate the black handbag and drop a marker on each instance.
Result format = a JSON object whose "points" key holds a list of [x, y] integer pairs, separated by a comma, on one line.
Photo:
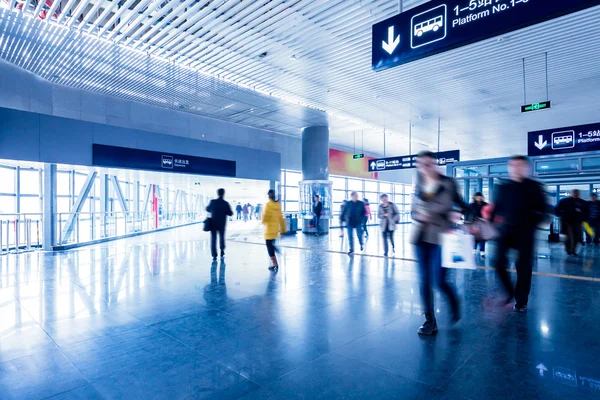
{"points": [[207, 225]]}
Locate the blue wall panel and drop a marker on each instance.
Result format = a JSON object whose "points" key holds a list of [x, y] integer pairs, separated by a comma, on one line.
{"points": [[44, 138], [19, 135]]}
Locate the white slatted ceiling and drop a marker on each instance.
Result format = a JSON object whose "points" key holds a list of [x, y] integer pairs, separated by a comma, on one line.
{"points": [[205, 59]]}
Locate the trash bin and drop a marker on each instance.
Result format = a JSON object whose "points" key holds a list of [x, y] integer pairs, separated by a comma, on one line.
{"points": [[291, 224]]}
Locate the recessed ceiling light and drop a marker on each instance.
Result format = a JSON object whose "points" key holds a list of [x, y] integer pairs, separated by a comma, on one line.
{"points": [[293, 57]]}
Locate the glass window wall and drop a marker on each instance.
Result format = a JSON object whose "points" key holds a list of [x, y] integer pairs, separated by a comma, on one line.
{"points": [[342, 188]]}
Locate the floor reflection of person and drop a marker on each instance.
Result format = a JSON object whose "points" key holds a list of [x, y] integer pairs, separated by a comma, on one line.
{"points": [[216, 292]]}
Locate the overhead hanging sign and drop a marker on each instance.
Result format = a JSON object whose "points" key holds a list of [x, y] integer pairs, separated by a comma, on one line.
{"points": [[439, 26], [410, 161], [128, 158], [545, 105], [573, 139]]}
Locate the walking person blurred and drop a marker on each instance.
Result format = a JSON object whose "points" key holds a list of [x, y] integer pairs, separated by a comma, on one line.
{"points": [[367, 217], [389, 216], [342, 224], [274, 223], [572, 213], [593, 218], [219, 210], [317, 211], [519, 207], [431, 211], [245, 211], [238, 211], [354, 212], [475, 207]]}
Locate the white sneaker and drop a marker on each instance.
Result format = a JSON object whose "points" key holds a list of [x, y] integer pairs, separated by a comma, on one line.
{"points": [[482, 254], [475, 252]]}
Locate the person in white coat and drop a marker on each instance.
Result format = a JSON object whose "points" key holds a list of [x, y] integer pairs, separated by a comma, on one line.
{"points": [[389, 216]]}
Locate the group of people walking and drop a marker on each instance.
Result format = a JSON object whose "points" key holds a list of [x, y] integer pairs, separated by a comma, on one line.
{"points": [[247, 211], [573, 212], [518, 207], [355, 215]]}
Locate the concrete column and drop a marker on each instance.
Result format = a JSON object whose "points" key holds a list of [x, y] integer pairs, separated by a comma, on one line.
{"points": [[49, 207], [315, 153]]}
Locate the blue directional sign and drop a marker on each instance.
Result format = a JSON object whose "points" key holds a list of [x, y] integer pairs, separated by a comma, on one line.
{"points": [[573, 139], [442, 25], [124, 157], [410, 161]]}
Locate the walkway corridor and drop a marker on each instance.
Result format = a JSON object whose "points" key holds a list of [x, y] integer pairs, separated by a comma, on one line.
{"points": [[153, 318]]}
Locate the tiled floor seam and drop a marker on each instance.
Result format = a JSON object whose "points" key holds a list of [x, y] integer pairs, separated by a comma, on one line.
{"points": [[66, 391], [483, 268], [435, 388]]}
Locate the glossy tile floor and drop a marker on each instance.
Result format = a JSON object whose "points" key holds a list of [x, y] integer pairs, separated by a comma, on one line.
{"points": [[153, 318]]}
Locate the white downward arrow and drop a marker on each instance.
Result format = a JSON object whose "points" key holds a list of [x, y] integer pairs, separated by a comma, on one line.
{"points": [[392, 43], [542, 368], [541, 143]]}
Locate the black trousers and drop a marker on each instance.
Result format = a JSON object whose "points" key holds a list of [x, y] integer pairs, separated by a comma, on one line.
{"points": [[271, 249], [213, 241], [317, 222], [574, 233], [524, 244], [388, 235]]}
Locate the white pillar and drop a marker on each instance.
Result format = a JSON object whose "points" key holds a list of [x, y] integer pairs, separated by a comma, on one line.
{"points": [[49, 209]]}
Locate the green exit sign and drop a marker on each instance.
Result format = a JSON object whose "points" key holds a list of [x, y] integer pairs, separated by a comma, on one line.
{"points": [[536, 106], [359, 156]]}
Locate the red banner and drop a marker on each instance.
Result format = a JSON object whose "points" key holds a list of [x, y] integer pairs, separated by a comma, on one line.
{"points": [[342, 163]]}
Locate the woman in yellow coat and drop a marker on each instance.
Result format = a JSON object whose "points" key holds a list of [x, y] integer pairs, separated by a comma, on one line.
{"points": [[274, 225]]}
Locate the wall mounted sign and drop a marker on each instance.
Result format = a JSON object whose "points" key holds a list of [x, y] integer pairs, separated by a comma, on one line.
{"points": [[127, 158], [358, 156], [409, 161], [573, 139], [536, 106], [439, 26]]}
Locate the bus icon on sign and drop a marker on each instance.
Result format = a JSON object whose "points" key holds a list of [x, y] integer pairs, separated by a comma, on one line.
{"points": [[429, 26], [380, 164], [433, 24], [563, 140]]}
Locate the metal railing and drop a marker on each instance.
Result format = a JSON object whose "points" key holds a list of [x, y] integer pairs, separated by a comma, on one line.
{"points": [[20, 232], [84, 227]]}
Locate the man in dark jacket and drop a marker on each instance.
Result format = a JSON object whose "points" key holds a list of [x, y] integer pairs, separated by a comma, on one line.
{"points": [[238, 211], [572, 213], [475, 209], [519, 207], [593, 218], [219, 210], [354, 212], [317, 211]]}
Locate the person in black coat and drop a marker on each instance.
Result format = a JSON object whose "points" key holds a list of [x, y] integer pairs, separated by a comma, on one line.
{"points": [[317, 211], [519, 207], [353, 214], [219, 210], [475, 208], [572, 211]]}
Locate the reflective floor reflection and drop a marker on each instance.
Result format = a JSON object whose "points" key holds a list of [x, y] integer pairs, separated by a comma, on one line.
{"points": [[153, 317]]}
